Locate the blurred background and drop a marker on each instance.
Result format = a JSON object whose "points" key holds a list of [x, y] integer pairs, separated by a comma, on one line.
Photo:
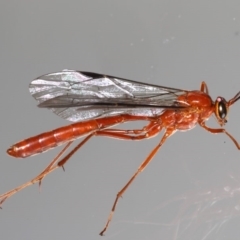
{"points": [[191, 189]]}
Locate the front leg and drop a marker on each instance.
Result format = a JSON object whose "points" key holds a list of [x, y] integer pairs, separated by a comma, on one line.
{"points": [[204, 88], [220, 130]]}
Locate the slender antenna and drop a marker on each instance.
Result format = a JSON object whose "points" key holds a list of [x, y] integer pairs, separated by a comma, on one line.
{"points": [[234, 99]]}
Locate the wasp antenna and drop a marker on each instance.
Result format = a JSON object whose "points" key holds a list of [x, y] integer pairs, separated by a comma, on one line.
{"points": [[234, 99]]}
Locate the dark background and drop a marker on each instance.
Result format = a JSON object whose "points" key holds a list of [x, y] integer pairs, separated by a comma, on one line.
{"points": [[191, 189]]}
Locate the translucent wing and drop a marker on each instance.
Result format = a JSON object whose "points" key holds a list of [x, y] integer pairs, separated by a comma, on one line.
{"points": [[78, 96]]}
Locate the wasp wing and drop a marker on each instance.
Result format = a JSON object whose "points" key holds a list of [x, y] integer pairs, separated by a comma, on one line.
{"points": [[78, 96]]}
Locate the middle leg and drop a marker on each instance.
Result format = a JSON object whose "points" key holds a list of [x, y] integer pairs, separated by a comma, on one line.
{"points": [[167, 134]]}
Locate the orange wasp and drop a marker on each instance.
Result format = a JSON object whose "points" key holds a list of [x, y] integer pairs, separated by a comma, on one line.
{"points": [[96, 102]]}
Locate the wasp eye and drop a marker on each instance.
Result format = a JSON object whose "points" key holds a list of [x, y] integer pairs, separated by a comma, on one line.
{"points": [[221, 108]]}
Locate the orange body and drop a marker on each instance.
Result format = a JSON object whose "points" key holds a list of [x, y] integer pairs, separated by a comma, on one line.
{"points": [[200, 108], [119, 100]]}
